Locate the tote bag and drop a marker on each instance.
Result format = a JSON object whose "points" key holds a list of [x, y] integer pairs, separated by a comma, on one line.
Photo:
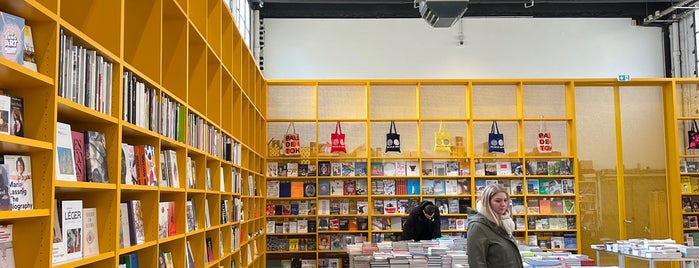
{"points": [[338, 140], [392, 139], [292, 143], [496, 141], [442, 140], [544, 139], [693, 135]]}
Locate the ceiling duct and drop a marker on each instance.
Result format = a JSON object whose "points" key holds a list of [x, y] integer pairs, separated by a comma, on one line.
{"points": [[442, 13]]}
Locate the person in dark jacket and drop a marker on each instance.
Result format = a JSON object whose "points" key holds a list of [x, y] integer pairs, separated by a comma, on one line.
{"points": [[489, 241], [422, 223]]}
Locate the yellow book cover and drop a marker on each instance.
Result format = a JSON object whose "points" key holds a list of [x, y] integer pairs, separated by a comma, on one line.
{"points": [[694, 181], [294, 244]]}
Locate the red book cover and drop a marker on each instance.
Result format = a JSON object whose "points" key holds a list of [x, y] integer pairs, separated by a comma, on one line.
{"points": [[141, 164], [172, 223], [79, 154]]}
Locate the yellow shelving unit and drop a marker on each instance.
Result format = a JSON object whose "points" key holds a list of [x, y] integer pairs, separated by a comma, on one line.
{"points": [[189, 51], [466, 108]]}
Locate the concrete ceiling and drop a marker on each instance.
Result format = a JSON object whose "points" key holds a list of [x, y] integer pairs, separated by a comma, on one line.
{"points": [[634, 9]]}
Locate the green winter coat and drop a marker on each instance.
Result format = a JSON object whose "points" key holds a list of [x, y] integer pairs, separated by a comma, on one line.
{"points": [[489, 246]]}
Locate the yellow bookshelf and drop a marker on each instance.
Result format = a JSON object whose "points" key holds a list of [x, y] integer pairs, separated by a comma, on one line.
{"points": [[189, 51]]}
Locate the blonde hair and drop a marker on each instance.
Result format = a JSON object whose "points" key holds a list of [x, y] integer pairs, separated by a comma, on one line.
{"points": [[483, 203]]}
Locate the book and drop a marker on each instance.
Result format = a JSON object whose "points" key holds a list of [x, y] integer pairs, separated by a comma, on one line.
{"points": [[190, 256], [191, 216], [16, 116], [361, 168], [272, 189], [5, 107], [5, 200], [323, 187], [412, 168], [163, 210], [72, 227], [128, 165], [136, 228], [91, 246], [19, 184], [12, 29], [124, 231], [96, 157], [79, 154], [28, 57], [65, 165], [6, 248]]}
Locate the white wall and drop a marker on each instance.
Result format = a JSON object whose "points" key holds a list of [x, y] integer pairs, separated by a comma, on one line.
{"points": [[494, 48]]}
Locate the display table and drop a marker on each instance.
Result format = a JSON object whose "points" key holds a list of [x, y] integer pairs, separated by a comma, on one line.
{"points": [[651, 261]]}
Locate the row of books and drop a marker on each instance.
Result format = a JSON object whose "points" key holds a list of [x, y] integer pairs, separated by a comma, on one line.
{"points": [[84, 76], [299, 226], [338, 241], [343, 207], [549, 223], [533, 186], [413, 168], [131, 231], [75, 233], [301, 207], [231, 211], [291, 244], [139, 165], [543, 206], [690, 222], [164, 259], [552, 241], [343, 224], [167, 225], [89, 156], [17, 40], [689, 184], [689, 166]]}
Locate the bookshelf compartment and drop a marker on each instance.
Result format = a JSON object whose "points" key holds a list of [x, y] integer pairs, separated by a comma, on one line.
{"points": [[393, 101], [197, 15], [433, 105], [457, 131], [40, 248], [227, 94], [510, 131], [213, 25], [495, 101], [547, 101], [197, 72], [100, 24], [143, 22], [227, 31], [342, 102], [283, 99], [177, 249], [558, 130], [213, 89], [408, 131], [174, 50], [239, 48]]}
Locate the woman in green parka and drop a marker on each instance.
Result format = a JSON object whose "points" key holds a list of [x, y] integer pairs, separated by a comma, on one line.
{"points": [[489, 240]]}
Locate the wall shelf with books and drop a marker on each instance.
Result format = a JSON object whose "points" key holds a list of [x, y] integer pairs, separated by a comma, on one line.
{"points": [[97, 97], [399, 179]]}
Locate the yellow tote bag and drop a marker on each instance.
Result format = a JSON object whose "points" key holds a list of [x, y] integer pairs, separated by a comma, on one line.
{"points": [[442, 140]]}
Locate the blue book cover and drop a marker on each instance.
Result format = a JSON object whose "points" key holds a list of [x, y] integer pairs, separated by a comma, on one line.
{"points": [[12, 37], [323, 187], [414, 187], [285, 189]]}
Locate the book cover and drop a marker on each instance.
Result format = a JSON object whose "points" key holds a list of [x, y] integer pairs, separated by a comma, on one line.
{"points": [[309, 189], [28, 57], [376, 169], [516, 168], [149, 153], [124, 230], [190, 256], [128, 165], [172, 223], [297, 189], [96, 157], [191, 216], [413, 186], [79, 154], [491, 169], [348, 169], [361, 187], [303, 170], [336, 187], [163, 208], [479, 169], [91, 235], [6, 248], [349, 187], [412, 168], [19, 184], [72, 225], [5, 107], [135, 212], [12, 29], [453, 168], [361, 169], [504, 169], [5, 200], [336, 169], [292, 169], [16, 116], [324, 168], [324, 187], [65, 164]]}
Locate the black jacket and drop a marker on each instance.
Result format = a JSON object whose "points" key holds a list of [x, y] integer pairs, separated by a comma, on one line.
{"points": [[418, 227]]}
